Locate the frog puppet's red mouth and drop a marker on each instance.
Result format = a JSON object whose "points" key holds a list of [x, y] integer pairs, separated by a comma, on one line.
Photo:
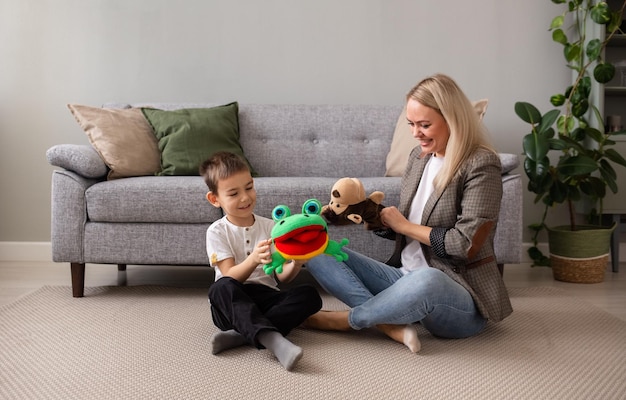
{"points": [[302, 241]]}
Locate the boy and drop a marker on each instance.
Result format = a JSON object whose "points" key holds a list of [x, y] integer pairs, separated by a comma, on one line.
{"points": [[246, 303]]}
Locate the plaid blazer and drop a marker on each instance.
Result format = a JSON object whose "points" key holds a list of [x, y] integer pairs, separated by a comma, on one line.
{"points": [[467, 210]]}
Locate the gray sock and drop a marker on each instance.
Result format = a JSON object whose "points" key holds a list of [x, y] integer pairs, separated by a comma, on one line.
{"points": [[286, 352], [224, 340]]}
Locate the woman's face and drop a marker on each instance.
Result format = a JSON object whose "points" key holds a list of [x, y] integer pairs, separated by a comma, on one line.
{"points": [[429, 127]]}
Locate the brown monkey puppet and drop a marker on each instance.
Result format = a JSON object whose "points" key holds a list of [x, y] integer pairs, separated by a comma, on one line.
{"points": [[348, 204]]}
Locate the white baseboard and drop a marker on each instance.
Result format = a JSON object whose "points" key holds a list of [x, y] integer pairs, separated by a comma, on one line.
{"points": [[42, 251], [26, 251]]}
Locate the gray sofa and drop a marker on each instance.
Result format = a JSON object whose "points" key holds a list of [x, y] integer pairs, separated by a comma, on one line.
{"points": [[299, 151]]}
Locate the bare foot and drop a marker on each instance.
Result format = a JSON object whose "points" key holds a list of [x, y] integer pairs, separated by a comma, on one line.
{"points": [[328, 321], [405, 334]]}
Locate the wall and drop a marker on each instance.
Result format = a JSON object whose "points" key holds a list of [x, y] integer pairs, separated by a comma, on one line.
{"points": [[55, 52]]}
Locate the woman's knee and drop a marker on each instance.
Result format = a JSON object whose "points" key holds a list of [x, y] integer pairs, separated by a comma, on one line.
{"points": [[428, 277]]}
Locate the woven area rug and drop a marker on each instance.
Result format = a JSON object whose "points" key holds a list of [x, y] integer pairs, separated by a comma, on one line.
{"points": [[148, 342]]}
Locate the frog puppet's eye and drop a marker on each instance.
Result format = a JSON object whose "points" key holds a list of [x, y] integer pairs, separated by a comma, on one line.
{"points": [[312, 207], [280, 212]]}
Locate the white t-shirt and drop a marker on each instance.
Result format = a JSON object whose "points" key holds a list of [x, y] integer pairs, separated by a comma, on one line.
{"points": [[412, 254], [226, 240]]}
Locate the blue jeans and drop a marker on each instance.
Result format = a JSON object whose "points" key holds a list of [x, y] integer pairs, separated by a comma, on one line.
{"points": [[380, 294]]}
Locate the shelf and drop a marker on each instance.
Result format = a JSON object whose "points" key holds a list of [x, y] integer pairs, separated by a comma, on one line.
{"points": [[615, 90], [618, 40]]}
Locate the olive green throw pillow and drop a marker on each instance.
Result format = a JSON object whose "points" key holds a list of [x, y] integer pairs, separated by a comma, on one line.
{"points": [[189, 136]]}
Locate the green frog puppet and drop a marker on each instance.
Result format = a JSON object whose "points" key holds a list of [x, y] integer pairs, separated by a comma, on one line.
{"points": [[301, 236]]}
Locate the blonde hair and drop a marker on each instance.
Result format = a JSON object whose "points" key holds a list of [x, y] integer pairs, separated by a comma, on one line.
{"points": [[467, 132]]}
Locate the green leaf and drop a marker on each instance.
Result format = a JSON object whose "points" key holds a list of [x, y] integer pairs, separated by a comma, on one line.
{"points": [[594, 49], [557, 22], [609, 178], [559, 36], [598, 186], [572, 144], [594, 134], [546, 122], [548, 133], [616, 21], [527, 112], [604, 72], [565, 123], [614, 156], [572, 52], [535, 146], [600, 13], [576, 165], [557, 100], [580, 108], [538, 258], [578, 134], [557, 144], [558, 192], [607, 170], [538, 176]]}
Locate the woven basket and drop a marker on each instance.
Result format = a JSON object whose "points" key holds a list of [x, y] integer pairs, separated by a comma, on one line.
{"points": [[579, 270], [579, 256]]}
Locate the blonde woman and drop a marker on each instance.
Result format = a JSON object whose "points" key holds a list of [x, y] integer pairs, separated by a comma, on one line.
{"points": [[443, 273]]}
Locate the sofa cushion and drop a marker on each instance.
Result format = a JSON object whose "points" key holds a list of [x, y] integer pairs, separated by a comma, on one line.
{"points": [[403, 141], [181, 199], [162, 199], [189, 136], [123, 139]]}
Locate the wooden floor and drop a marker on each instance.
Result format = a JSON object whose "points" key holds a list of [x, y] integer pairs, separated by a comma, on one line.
{"points": [[19, 278]]}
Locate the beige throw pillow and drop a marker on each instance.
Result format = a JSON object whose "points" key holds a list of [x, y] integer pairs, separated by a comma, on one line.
{"points": [[122, 137], [403, 141]]}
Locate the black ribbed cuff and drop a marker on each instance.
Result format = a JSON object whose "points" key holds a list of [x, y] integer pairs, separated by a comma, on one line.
{"points": [[438, 242]]}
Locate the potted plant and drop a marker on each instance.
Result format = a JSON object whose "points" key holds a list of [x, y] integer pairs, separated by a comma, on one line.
{"points": [[568, 155]]}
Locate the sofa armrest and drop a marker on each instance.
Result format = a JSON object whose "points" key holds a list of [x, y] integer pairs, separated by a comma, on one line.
{"points": [[509, 162], [69, 215], [508, 238], [78, 158]]}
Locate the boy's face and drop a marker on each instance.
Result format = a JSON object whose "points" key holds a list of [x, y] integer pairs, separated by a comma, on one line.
{"points": [[237, 197]]}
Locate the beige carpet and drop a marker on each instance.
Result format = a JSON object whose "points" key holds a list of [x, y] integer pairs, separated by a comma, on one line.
{"points": [[152, 343]]}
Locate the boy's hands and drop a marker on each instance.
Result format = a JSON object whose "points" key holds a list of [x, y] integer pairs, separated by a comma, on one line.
{"points": [[262, 253]]}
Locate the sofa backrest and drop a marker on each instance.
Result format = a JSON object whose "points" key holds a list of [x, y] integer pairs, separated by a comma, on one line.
{"points": [[321, 140], [310, 140]]}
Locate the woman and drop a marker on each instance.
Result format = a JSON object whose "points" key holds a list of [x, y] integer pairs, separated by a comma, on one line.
{"points": [[443, 272]]}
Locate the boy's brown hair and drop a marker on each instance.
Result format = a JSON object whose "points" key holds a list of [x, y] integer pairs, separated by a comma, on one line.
{"points": [[219, 166]]}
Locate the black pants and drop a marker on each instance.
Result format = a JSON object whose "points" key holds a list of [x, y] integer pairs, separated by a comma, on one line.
{"points": [[251, 308]]}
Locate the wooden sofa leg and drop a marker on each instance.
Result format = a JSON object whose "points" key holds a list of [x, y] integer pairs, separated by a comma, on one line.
{"points": [[121, 267], [78, 279], [501, 269]]}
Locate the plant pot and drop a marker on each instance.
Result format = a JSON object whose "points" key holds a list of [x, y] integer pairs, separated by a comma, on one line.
{"points": [[579, 256]]}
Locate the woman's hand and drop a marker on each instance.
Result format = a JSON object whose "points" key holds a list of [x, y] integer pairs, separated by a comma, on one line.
{"points": [[392, 218]]}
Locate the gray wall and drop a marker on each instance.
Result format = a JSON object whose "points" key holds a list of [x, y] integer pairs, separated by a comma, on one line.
{"points": [[54, 52]]}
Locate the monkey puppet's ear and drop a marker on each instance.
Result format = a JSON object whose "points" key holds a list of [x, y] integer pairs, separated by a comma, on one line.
{"points": [[356, 218], [377, 197]]}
